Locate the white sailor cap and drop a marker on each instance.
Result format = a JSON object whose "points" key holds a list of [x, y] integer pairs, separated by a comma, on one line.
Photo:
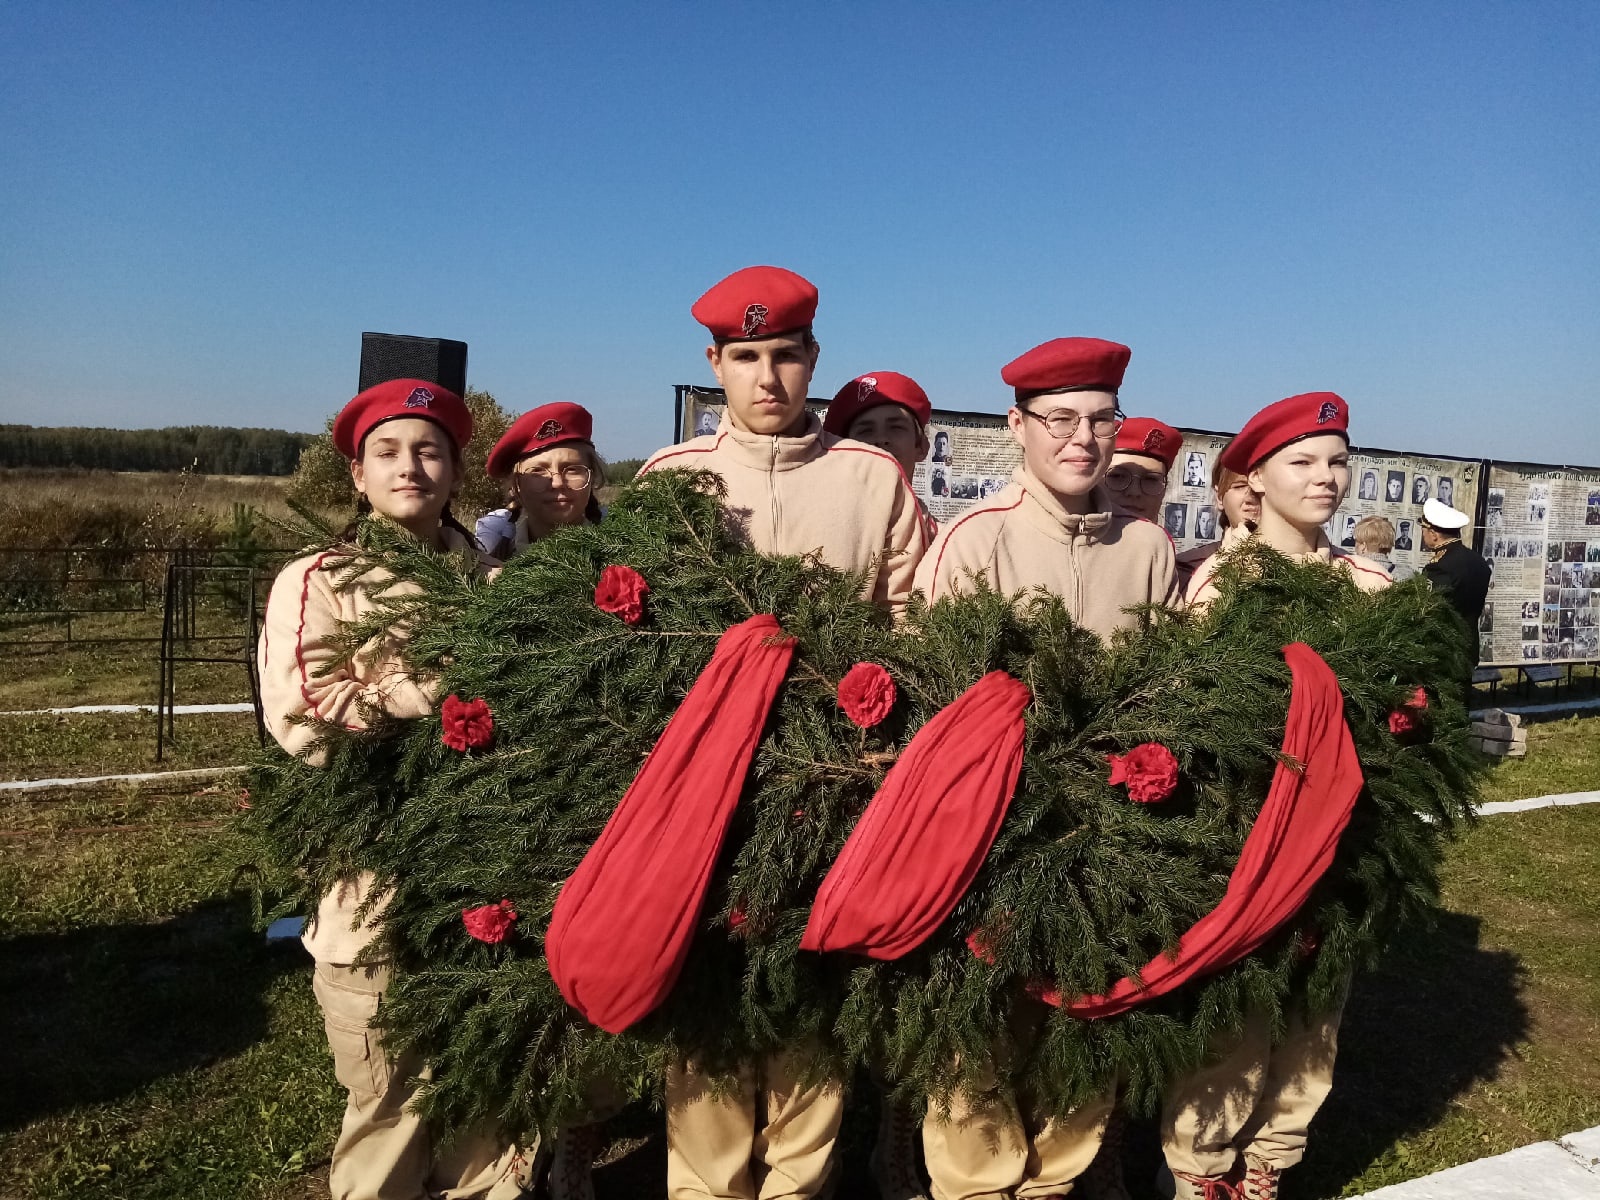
{"points": [[1442, 516]]}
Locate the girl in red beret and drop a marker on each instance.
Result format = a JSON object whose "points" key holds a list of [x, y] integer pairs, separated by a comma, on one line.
{"points": [[403, 439], [1233, 1127], [1240, 510], [1295, 457], [553, 473]]}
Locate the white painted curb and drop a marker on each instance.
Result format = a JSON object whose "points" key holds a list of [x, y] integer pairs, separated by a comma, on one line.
{"points": [[31, 785], [1560, 1170], [180, 709], [1533, 802]]}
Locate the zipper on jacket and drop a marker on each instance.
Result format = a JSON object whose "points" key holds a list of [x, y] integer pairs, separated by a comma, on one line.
{"points": [[774, 504]]}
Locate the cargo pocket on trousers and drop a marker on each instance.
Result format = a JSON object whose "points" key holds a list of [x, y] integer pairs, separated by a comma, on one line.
{"points": [[358, 1059]]}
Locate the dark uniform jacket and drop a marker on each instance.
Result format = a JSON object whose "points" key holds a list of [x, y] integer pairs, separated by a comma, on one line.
{"points": [[1462, 574]]}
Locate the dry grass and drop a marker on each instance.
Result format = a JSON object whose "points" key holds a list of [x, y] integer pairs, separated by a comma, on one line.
{"points": [[127, 509]]}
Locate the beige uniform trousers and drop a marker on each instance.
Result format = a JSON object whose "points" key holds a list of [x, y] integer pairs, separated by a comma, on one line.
{"points": [[988, 1150], [771, 1138], [1257, 1099], [385, 1151]]}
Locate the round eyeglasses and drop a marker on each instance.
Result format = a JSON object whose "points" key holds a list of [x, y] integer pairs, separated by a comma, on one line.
{"points": [[1120, 479], [544, 479], [1063, 422]]}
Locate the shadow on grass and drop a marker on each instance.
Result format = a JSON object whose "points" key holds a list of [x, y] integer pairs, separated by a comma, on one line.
{"points": [[92, 1015], [1441, 1015]]}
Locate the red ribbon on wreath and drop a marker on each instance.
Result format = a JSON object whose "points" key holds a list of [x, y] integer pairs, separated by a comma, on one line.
{"points": [[624, 919], [919, 844], [1290, 846]]}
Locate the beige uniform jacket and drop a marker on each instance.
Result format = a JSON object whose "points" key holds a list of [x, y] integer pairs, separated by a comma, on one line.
{"points": [[1021, 538], [304, 613], [841, 499], [1367, 575]]}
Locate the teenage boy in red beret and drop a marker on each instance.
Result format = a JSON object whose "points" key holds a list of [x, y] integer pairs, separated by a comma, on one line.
{"points": [[884, 409], [1054, 527], [1140, 463], [890, 411], [793, 489]]}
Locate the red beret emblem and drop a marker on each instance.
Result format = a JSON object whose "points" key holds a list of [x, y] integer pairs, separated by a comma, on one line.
{"points": [[1328, 412], [549, 429], [1154, 440], [755, 316], [865, 386], [420, 398]]}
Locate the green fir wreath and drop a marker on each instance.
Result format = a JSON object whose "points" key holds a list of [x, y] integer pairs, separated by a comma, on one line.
{"points": [[1082, 886]]}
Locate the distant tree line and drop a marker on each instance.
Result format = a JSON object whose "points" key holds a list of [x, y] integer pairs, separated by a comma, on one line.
{"points": [[207, 449]]}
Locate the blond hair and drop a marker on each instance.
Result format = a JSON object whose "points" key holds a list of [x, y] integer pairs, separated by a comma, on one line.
{"points": [[1374, 535]]}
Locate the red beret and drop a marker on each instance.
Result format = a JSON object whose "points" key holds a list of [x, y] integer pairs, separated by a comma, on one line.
{"points": [[869, 391], [400, 398], [757, 302], [1068, 364], [539, 429], [1276, 425], [1148, 436]]}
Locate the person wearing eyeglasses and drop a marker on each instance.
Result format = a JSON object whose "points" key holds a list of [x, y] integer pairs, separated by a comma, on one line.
{"points": [[1055, 526], [1143, 456], [552, 471]]}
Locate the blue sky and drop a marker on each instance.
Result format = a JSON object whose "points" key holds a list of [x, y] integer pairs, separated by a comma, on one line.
{"points": [[205, 205]]}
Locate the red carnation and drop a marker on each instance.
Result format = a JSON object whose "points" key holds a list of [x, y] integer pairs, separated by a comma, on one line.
{"points": [[491, 922], [621, 592], [1150, 770], [467, 724], [737, 918], [1404, 719], [978, 942], [866, 693]]}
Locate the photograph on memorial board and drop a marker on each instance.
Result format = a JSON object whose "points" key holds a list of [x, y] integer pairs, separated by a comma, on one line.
{"points": [[1592, 514], [1205, 523], [1369, 486], [1530, 633], [1531, 547], [1530, 652], [1486, 621], [1594, 552], [1176, 520], [1419, 489], [1552, 595], [1530, 610], [706, 423], [1194, 469], [939, 486], [1395, 488], [1347, 532], [1445, 491], [1402, 536], [941, 447], [1552, 573], [1552, 552], [1574, 551]]}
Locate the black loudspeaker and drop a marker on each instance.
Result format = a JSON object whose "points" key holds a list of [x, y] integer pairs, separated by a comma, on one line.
{"points": [[386, 356]]}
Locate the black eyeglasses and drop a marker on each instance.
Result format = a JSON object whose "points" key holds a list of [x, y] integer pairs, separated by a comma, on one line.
{"points": [[1063, 422]]}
